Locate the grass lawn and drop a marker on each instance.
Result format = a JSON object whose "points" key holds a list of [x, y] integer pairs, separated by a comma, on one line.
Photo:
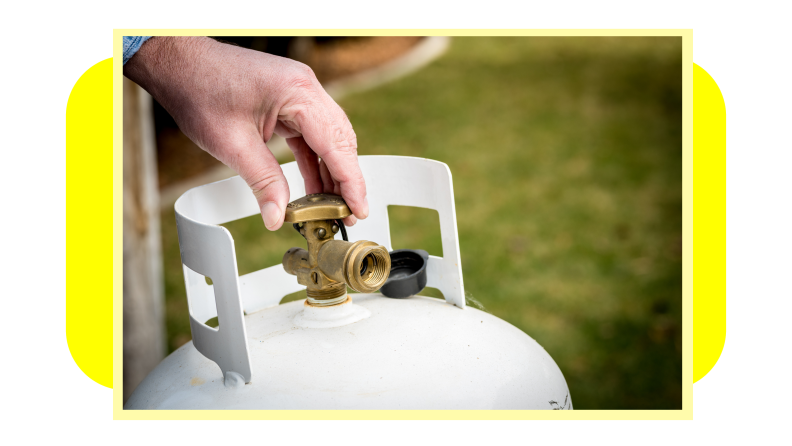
{"points": [[566, 158]]}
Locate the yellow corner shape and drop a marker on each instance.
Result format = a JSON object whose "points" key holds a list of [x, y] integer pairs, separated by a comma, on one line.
{"points": [[709, 223], [89, 223]]}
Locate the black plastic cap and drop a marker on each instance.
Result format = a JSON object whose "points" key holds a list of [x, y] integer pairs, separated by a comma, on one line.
{"points": [[408, 273]]}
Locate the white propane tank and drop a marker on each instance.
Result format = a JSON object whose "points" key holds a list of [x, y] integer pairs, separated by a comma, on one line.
{"points": [[369, 352]]}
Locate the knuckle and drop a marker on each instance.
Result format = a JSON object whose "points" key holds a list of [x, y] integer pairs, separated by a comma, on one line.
{"points": [[352, 137], [302, 77], [344, 140], [305, 70], [264, 181], [301, 86]]}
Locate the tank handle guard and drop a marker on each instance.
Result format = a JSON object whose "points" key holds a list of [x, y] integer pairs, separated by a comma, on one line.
{"points": [[208, 249]]}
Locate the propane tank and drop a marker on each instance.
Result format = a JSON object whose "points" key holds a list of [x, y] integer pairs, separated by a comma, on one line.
{"points": [[336, 350]]}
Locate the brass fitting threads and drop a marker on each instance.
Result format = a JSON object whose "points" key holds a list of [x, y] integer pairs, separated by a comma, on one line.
{"points": [[333, 294], [362, 265], [368, 267], [328, 265]]}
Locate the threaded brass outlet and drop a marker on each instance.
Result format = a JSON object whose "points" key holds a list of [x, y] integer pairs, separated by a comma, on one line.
{"points": [[328, 266]]}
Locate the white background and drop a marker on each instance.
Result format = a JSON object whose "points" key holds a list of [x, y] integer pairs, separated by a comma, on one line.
{"points": [[45, 49]]}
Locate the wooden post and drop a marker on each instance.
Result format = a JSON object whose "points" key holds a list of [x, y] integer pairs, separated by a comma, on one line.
{"points": [[144, 330]]}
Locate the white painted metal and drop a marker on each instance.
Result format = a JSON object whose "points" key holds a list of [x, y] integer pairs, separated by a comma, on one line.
{"points": [[331, 316], [419, 182], [208, 249], [373, 353], [414, 353]]}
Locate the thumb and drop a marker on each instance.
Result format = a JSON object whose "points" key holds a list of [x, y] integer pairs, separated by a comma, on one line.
{"points": [[249, 156]]}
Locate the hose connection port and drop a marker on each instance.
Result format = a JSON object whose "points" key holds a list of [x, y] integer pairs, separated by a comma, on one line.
{"points": [[328, 266]]}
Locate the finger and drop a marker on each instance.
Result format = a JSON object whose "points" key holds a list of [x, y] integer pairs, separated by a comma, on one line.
{"points": [[284, 131], [328, 186], [308, 163], [350, 221], [244, 151], [329, 133], [333, 187]]}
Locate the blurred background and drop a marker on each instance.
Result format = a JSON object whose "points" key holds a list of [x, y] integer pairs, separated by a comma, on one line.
{"points": [[566, 159]]}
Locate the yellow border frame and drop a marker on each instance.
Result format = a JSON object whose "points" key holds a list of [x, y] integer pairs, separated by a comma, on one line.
{"points": [[687, 231]]}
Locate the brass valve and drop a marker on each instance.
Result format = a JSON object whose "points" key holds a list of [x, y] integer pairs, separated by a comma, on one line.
{"points": [[329, 265]]}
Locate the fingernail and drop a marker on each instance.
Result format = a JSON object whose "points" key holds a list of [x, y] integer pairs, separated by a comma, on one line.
{"points": [[271, 214]]}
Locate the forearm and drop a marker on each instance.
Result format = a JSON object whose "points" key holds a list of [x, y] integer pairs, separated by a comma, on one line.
{"points": [[230, 100], [167, 63]]}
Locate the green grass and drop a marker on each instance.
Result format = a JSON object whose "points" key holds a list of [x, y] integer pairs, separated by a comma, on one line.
{"points": [[566, 159]]}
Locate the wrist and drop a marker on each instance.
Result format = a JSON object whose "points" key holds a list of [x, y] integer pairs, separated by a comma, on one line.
{"points": [[163, 63]]}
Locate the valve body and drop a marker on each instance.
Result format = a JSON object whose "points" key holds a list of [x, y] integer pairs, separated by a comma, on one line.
{"points": [[328, 266]]}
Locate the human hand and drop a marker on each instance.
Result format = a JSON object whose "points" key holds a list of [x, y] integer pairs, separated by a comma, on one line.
{"points": [[230, 100]]}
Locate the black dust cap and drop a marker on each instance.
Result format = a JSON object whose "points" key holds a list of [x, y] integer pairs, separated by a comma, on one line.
{"points": [[408, 273]]}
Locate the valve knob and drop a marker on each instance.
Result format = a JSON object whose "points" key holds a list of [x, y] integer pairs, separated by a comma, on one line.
{"points": [[317, 207]]}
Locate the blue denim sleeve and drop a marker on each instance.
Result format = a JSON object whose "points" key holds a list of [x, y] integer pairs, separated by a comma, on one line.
{"points": [[131, 46]]}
